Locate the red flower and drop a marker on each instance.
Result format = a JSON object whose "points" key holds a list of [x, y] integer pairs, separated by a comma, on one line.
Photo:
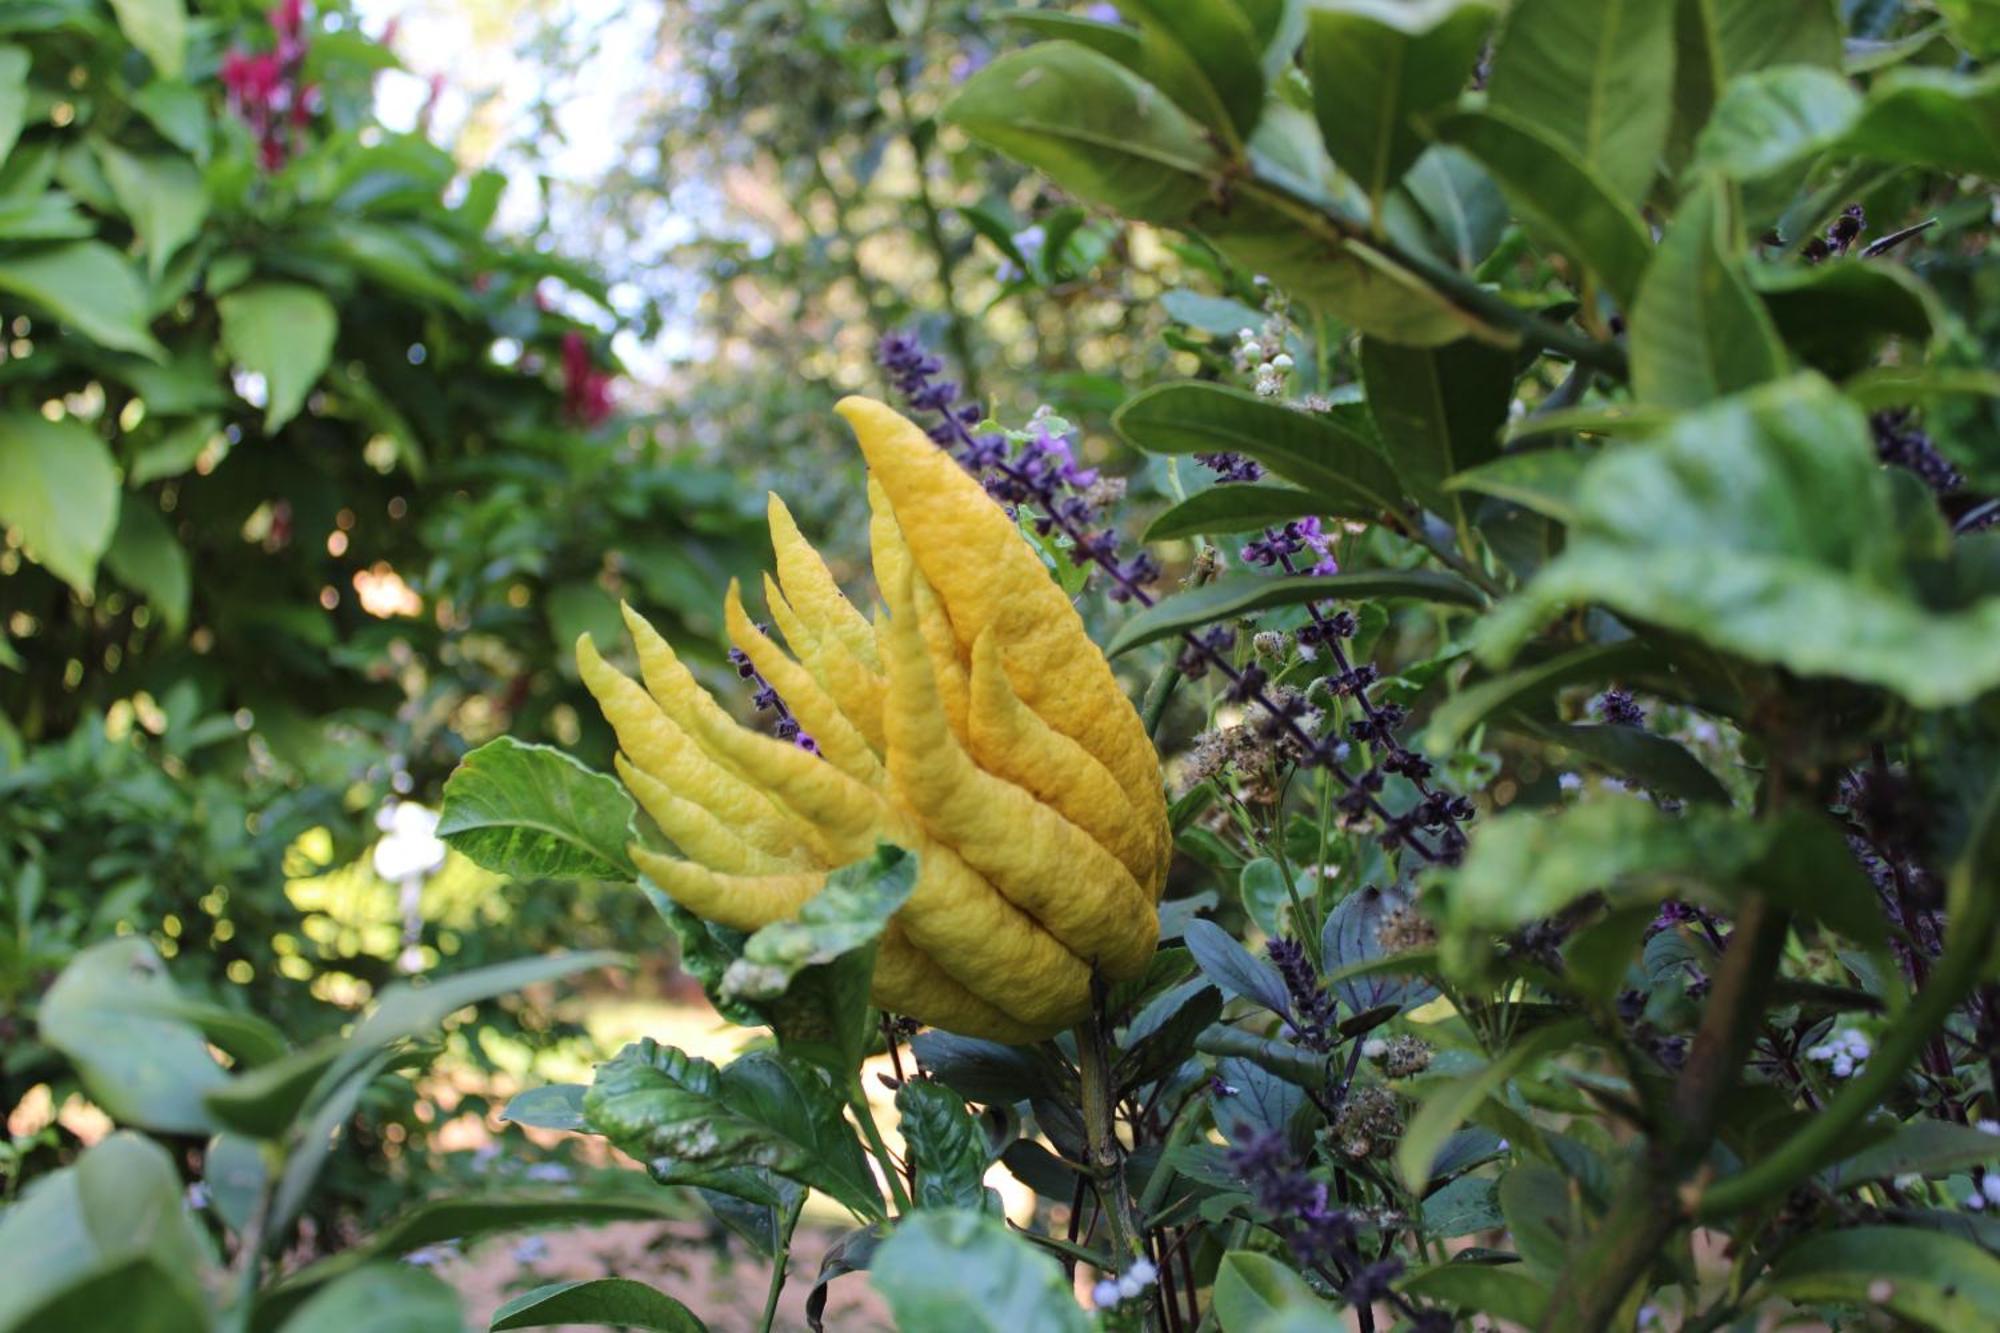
{"points": [[586, 389]]}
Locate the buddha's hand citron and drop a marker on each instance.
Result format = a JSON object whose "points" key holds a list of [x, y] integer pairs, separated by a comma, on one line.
{"points": [[972, 721]]}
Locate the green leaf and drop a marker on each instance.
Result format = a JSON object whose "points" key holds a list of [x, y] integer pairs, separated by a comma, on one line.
{"points": [[105, 1014], [1204, 55], [162, 194], [172, 453], [1698, 331], [89, 286], [1504, 1293], [1834, 316], [236, 1174], [1921, 1147], [1766, 528], [1460, 1208], [1378, 68], [1561, 197], [1224, 960], [59, 490], [1237, 507], [697, 1125], [1352, 938], [1115, 40], [533, 812], [1660, 765], [1543, 481], [1439, 410], [284, 332], [556, 1106], [179, 112], [1255, 1293], [159, 29], [959, 1270], [382, 1298], [146, 557], [983, 1071], [945, 1145], [615, 1301], [263, 1102], [1095, 127], [14, 63], [1262, 888], [1931, 1279], [1240, 594], [1316, 450], [1592, 72], [1446, 1105], [1974, 24], [1525, 865], [105, 1240], [810, 976], [1716, 41], [1463, 203], [1931, 118], [1770, 119]]}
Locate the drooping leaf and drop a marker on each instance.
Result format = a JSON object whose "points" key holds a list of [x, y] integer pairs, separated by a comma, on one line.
{"points": [[391, 1298], [1324, 454], [1698, 331], [1257, 1292], [1542, 481], [1932, 118], [1234, 968], [533, 812], [950, 1268], [59, 490], [1562, 198], [945, 1144], [1439, 410], [1593, 72], [1203, 54], [107, 1013], [88, 286], [1377, 69], [284, 332], [1763, 527], [609, 1301], [159, 29], [1919, 1147], [983, 1071], [163, 195], [1462, 201], [695, 1124], [263, 1102], [1240, 594], [145, 556]]}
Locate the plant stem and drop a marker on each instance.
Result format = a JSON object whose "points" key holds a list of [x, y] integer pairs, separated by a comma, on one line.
{"points": [[780, 1261], [1107, 1155], [857, 1097]]}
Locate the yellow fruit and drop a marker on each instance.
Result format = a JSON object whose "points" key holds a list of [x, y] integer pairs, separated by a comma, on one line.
{"points": [[972, 721]]}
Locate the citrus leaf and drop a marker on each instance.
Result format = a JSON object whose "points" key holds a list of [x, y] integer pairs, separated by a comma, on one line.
{"points": [[533, 812], [1240, 594]]}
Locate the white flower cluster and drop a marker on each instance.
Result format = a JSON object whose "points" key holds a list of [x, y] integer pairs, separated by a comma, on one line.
{"points": [[1261, 355], [1844, 1054], [1987, 1190], [1126, 1286]]}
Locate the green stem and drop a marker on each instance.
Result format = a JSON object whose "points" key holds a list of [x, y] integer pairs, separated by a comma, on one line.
{"points": [[1974, 915], [1107, 1155], [779, 1262], [857, 1098], [1159, 694], [1081, 1253], [1491, 306]]}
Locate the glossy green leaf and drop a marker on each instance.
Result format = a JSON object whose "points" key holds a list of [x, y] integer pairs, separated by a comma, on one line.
{"points": [[1318, 451], [1351, 940], [1933, 1280], [1240, 594], [695, 1124], [179, 112], [1203, 54], [1377, 68], [1439, 410], [1237, 507], [810, 976], [1921, 1147], [1462, 201], [1463, 1206], [1262, 888], [984, 1071], [382, 1298], [1094, 126], [284, 332], [145, 556], [1769, 119], [1562, 198], [1660, 765], [1592, 72], [1224, 961], [1931, 118], [158, 28], [1834, 316], [59, 490], [613, 1301], [1256, 1293], [1529, 686], [1503, 1293], [1717, 41], [236, 1173], [263, 1102], [1115, 40], [945, 1145], [1543, 481], [1698, 331], [173, 453], [89, 286], [162, 194], [14, 64], [1447, 1105], [1763, 527], [105, 1014], [556, 1106], [533, 812], [954, 1269]]}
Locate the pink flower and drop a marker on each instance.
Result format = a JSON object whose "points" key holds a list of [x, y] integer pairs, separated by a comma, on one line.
{"points": [[586, 389]]}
